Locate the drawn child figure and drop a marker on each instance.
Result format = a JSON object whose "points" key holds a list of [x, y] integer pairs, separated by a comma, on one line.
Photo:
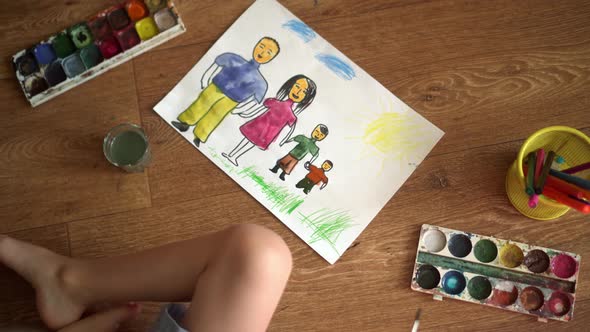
{"points": [[306, 145], [292, 98], [315, 176], [230, 81]]}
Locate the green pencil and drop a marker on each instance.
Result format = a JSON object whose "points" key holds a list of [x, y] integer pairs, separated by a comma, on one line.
{"points": [[530, 177], [544, 172]]}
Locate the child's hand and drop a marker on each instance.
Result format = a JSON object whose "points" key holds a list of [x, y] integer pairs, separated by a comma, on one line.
{"points": [[106, 321], [306, 165]]}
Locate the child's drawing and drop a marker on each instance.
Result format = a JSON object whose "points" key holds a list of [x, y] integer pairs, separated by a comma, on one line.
{"points": [[389, 133], [305, 146], [293, 97], [282, 199], [271, 144], [315, 176], [229, 81], [327, 226], [301, 29], [337, 66]]}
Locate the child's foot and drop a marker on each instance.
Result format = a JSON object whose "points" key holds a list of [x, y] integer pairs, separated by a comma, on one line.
{"points": [[235, 162], [44, 269], [282, 176], [197, 142]]}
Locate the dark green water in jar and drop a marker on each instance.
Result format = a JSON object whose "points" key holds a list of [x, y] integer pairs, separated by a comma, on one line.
{"points": [[127, 148]]}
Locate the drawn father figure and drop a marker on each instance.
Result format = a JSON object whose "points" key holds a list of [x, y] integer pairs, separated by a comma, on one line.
{"points": [[230, 81]]}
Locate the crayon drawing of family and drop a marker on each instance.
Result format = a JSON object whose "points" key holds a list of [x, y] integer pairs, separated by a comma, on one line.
{"points": [[235, 85]]}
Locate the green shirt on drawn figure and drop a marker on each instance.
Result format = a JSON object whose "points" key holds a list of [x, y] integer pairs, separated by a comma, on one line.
{"points": [[306, 145]]}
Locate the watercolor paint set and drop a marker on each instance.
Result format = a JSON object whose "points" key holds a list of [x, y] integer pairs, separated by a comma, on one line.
{"points": [[494, 272], [88, 49]]}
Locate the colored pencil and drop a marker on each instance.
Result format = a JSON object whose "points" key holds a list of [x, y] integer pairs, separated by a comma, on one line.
{"points": [[581, 200], [577, 169], [533, 201], [530, 178], [566, 200], [563, 186], [540, 160], [544, 172], [575, 180], [567, 188]]}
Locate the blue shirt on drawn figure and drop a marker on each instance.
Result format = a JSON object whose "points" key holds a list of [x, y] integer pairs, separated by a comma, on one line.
{"points": [[230, 81], [240, 79]]}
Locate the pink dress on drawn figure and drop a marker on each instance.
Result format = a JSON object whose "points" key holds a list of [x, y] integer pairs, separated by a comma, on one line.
{"points": [[265, 129]]}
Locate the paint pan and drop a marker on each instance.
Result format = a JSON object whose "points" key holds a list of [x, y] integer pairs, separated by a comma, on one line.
{"points": [[109, 47], [54, 73], [63, 45], [44, 53], [118, 18], [25, 64], [127, 37], [498, 273], [35, 84], [146, 28], [164, 19], [155, 5], [100, 27], [136, 10], [88, 49], [73, 65], [90, 56], [81, 35]]}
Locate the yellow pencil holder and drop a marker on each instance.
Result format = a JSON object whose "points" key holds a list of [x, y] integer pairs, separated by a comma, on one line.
{"points": [[568, 143]]}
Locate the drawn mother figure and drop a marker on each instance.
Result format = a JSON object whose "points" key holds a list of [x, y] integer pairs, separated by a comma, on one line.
{"points": [[292, 98]]}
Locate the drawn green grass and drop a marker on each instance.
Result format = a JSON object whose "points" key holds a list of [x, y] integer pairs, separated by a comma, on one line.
{"points": [[282, 199], [327, 225], [229, 168]]}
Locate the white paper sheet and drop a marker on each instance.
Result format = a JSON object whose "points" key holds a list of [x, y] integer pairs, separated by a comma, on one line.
{"points": [[374, 142]]}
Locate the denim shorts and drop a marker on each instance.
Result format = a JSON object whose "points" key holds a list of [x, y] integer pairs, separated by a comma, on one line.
{"points": [[170, 318]]}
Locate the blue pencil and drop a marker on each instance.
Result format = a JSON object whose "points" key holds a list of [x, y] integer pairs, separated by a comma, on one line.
{"points": [[578, 181]]}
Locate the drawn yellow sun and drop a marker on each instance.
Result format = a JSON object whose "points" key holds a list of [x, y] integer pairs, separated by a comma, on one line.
{"points": [[388, 134]]}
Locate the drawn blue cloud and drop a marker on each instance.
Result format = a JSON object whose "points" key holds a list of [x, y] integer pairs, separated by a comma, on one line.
{"points": [[337, 66], [301, 29]]}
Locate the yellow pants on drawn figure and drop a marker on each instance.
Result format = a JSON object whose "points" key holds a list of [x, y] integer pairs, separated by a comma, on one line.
{"points": [[207, 112]]}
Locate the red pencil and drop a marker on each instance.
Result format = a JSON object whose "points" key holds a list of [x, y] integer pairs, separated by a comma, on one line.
{"points": [[563, 186], [567, 188], [565, 200]]}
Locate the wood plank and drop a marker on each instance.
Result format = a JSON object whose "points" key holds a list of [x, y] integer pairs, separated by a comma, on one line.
{"points": [[53, 169], [17, 298], [462, 190]]}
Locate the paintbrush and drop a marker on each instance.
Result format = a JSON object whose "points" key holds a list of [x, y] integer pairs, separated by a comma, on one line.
{"points": [[416, 321]]}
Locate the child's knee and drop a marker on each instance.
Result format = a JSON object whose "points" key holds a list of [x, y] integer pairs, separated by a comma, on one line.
{"points": [[258, 250]]}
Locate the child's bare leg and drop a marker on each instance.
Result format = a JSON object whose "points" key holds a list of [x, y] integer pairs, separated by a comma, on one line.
{"points": [[240, 290], [255, 261]]}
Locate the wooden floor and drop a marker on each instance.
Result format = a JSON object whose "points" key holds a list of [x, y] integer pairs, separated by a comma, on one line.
{"points": [[488, 73]]}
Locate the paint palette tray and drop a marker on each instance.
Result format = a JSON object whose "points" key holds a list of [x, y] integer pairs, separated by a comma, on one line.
{"points": [[88, 49], [494, 272]]}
